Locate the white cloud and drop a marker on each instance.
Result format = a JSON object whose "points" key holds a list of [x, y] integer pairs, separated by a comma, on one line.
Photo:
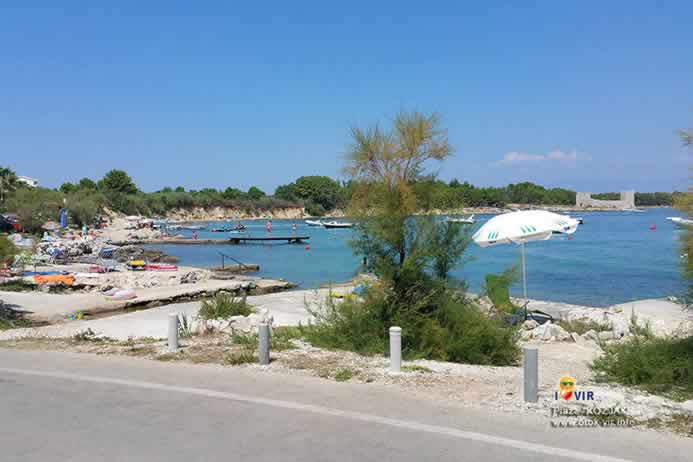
{"points": [[515, 157]]}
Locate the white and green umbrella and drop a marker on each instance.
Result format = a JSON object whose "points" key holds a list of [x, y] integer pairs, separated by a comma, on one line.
{"points": [[521, 227]]}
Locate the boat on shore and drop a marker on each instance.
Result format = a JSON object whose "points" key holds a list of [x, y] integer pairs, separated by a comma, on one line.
{"points": [[314, 222], [470, 220], [336, 224]]}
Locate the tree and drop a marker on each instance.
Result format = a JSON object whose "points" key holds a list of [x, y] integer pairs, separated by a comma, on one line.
{"points": [[117, 181], [286, 192], [86, 184], [180, 189], [385, 165], [8, 182], [255, 193], [232, 193], [67, 188], [448, 241], [35, 206]]}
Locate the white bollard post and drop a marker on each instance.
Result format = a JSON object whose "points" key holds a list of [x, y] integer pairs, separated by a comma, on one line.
{"points": [[264, 343], [173, 332], [531, 374], [395, 349]]}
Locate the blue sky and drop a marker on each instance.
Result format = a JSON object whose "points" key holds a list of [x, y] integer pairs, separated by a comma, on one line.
{"points": [[585, 95]]}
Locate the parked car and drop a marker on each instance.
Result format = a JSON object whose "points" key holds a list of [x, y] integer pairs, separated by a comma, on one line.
{"points": [[7, 226]]}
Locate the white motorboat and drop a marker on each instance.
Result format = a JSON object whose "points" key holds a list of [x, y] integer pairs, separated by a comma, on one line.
{"points": [[680, 221], [467, 220], [314, 223], [633, 210], [336, 224], [193, 227]]}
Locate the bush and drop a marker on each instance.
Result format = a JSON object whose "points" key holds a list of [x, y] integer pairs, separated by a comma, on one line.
{"points": [[448, 329], [35, 206], [223, 306], [580, 326], [655, 364], [7, 251]]}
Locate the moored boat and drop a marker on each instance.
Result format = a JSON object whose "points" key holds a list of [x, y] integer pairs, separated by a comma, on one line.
{"points": [[470, 220], [680, 221], [314, 223], [336, 224]]}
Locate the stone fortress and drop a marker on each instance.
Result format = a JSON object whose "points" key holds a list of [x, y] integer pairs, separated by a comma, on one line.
{"points": [[584, 200]]}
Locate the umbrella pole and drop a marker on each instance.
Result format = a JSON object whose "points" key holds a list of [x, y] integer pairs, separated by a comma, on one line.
{"points": [[524, 272]]}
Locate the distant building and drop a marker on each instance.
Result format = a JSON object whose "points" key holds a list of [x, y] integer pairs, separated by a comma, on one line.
{"points": [[627, 201], [31, 182]]}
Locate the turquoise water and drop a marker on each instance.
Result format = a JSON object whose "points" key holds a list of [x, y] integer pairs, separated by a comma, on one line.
{"points": [[613, 258]]}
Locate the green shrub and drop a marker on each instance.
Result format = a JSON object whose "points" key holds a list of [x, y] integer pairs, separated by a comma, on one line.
{"points": [[655, 364], [7, 251], [18, 285], [223, 306], [12, 319], [442, 327], [344, 374], [185, 326], [35, 206]]}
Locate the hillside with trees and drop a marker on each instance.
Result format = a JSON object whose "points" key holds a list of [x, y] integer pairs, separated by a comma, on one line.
{"points": [[320, 195]]}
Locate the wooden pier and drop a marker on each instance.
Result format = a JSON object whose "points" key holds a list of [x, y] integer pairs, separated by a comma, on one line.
{"points": [[231, 241], [290, 239]]}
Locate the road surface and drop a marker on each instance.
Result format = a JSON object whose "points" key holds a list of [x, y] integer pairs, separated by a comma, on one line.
{"points": [[78, 407]]}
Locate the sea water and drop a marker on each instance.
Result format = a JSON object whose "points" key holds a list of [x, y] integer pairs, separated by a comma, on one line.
{"points": [[614, 257]]}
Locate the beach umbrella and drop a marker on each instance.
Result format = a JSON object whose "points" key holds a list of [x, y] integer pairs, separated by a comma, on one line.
{"points": [[521, 227]]}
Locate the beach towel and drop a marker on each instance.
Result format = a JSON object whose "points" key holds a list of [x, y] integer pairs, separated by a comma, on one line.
{"points": [[66, 279]]}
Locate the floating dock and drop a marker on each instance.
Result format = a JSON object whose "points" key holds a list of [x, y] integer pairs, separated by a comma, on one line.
{"points": [[232, 241]]}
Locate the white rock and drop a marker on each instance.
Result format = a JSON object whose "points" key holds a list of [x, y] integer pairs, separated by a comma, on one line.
{"points": [[590, 335], [530, 324], [686, 407], [549, 332]]}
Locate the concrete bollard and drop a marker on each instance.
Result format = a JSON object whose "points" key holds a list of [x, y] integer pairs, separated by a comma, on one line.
{"points": [[531, 374], [395, 349], [264, 343], [173, 332]]}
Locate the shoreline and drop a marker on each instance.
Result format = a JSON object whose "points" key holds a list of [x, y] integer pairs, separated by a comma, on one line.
{"points": [[229, 215]]}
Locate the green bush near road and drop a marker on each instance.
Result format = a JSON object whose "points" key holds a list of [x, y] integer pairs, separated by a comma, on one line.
{"points": [[655, 364], [224, 306]]}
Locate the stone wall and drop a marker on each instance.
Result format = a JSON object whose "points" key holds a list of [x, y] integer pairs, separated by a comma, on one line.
{"points": [[627, 201]]}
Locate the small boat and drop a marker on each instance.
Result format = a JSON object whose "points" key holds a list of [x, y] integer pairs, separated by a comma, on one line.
{"points": [[680, 221], [239, 227], [220, 230], [468, 220], [314, 223], [336, 224], [193, 227], [633, 210]]}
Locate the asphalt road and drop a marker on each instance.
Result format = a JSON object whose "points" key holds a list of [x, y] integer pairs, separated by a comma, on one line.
{"points": [[69, 407]]}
